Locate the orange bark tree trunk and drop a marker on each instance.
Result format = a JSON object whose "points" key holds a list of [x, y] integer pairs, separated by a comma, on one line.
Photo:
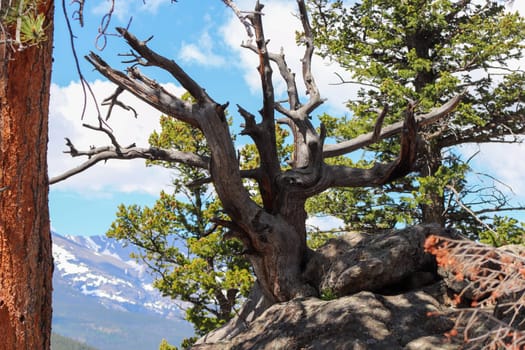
{"points": [[26, 262]]}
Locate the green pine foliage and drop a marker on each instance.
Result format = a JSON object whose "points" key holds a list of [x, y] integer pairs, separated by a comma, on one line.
{"points": [[504, 231], [426, 51], [22, 24], [422, 50], [164, 345]]}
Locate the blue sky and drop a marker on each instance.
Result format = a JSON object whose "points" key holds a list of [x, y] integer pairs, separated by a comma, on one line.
{"points": [[204, 37]]}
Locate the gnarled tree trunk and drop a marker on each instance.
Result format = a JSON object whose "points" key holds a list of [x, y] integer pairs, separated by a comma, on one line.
{"points": [[26, 262], [274, 233]]}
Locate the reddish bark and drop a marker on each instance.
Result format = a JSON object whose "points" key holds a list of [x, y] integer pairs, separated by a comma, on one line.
{"points": [[26, 262]]}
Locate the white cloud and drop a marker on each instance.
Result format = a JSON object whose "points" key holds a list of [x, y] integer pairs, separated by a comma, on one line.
{"points": [[115, 175], [517, 5], [152, 6], [280, 25], [201, 52], [506, 162], [123, 10]]}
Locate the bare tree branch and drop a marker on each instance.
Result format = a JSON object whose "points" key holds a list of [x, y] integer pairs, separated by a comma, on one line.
{"points": [[343, 81], [113, 101], [468, 210], [242, 18], [287, 75], [147, 90], [78, 14], [309, 81], [390, 130], [497, 130], [85, 85], [379, 124], [492, 280], [380, 173], [265, 70], [263, 133], [105, 153]]}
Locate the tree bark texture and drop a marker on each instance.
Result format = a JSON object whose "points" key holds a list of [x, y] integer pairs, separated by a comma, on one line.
{"points": [[26, 262]]}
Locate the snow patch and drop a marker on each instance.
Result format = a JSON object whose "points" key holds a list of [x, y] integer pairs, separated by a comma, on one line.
{"points": [[96, 267], [89, 243], [107, 252], [103, 294], [63, 262]]}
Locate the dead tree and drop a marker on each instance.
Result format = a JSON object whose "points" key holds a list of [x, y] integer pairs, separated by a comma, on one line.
{"points": [[274, 233]]}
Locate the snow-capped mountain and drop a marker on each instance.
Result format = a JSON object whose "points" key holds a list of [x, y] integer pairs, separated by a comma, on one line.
{"points": [[99, 290], [100, 267]]}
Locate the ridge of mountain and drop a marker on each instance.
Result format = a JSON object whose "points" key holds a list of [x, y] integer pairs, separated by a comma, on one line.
{"points": [[103, 297]]}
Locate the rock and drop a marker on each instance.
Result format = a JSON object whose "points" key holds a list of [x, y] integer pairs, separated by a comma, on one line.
{"points": [[431, 343], [365, 261], [253, 307], [385, 291], [361, 321]]}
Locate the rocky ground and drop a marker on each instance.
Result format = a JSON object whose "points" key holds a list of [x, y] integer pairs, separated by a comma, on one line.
{"points": [[386, 291]]}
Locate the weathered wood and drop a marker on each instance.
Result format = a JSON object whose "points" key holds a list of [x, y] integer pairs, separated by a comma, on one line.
{"points": [[111, 152], [389, 131]]}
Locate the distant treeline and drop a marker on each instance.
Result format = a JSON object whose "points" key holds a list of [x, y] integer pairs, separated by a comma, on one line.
{"points": [[59, 342]]}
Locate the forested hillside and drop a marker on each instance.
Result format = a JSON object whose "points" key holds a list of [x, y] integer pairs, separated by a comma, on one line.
{"points": [[59, 342]]}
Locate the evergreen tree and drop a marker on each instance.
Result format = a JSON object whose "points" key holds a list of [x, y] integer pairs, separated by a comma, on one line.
{"points": [[164, 345], [270, 222], [424, 51]]}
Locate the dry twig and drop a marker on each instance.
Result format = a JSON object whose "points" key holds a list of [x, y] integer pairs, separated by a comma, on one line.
{"points": [[493, 281]]}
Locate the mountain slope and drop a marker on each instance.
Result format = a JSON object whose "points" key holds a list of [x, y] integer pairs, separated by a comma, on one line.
{"points": [[59, 342], [104, 298]]}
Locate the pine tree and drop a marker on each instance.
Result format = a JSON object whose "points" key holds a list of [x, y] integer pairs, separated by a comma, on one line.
{"points": [[424, 51]]}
